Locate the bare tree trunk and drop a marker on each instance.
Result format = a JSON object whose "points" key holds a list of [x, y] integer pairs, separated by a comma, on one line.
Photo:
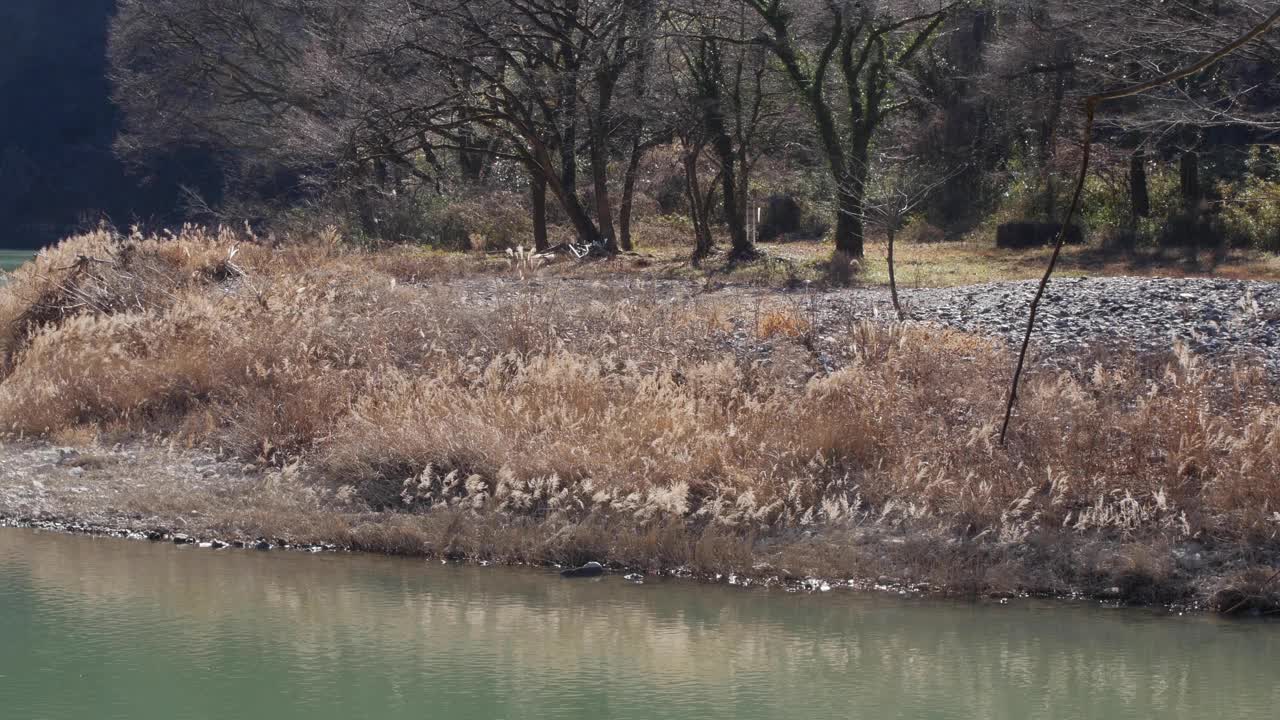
{"points": [[698, 209], [646, 16], [851, 197], [1189, 175], [469, 159], [582, 225], [471, 155], [628, 195], [600, 180], [734, 213], [1189, 172], [538, 190], [1048, 130], [849, 227], [568, 108], [722, 144], [1139, 196], [569, 160], [892, 232], [850, 204]]}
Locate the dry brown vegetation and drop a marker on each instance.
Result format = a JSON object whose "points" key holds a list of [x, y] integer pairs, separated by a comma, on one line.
{"points": [[616, 423]]}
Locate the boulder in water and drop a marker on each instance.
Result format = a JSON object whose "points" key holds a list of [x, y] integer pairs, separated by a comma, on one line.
{"points": [[591, 569]]}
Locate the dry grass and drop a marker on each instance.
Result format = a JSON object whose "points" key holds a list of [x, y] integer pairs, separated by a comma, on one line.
{"points": [[618, 425], [947, 264], [978, 261], [787, 323], [1252, 590]]}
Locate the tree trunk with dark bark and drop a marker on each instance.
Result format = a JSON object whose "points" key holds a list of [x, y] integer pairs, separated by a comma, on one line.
{"points": [[698, 207], [567, 106], [1139, 196], [734, 212], [849, 225], [600, 181], [1189, 173], [851, 201], [538, 190], [628, 195], [582, 225]]}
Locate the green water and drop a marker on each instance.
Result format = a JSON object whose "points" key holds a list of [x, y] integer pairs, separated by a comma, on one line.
{"points": [[118, 629], [13, 259]]}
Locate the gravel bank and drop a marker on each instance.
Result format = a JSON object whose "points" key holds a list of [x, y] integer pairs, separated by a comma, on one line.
{"points": [[1216, 318], [1226, 318]]}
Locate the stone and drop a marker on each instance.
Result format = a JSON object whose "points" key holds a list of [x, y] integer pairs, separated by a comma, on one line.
{"points": [[591, 569]]}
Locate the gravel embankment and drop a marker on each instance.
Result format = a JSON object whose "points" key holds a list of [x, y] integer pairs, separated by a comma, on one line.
{"points": [[1214, 317]]}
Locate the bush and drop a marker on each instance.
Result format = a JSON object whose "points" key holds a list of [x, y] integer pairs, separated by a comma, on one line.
{"points": [[1250, 210], [483, 220]]}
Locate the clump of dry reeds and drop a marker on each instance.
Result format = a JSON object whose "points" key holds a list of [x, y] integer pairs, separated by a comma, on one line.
{"points": [[551, 408]]}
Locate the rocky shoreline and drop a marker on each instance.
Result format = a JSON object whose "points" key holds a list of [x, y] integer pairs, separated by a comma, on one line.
{"points": [[143, 492], [762, 578]]}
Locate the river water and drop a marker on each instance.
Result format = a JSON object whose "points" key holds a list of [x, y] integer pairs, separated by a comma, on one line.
{"points": [[99, 628], [13, 259]]}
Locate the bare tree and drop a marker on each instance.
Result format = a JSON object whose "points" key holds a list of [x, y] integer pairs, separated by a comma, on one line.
{"points": [[900, 188], [347, 88], [278, 85], [856, 51], [725, 73]]}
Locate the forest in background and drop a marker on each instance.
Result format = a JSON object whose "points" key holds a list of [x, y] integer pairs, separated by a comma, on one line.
{"points": [[504, 122], [491, 124], [59, 173]]}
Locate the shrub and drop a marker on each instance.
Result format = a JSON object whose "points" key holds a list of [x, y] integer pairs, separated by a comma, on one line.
{"points": [[1250, 210], [919, 230]]}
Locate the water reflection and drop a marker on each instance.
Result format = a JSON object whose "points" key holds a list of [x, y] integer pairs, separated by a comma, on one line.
{"points": [[104, 628]]}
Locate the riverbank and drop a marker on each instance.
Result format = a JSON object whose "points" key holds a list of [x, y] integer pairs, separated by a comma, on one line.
{"points": [[151, 493], [215, 388]]}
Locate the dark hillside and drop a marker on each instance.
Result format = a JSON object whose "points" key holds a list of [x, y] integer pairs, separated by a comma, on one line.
{"points": [[57, 169]]}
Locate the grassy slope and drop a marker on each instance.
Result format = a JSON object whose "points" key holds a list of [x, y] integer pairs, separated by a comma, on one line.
{"points": [[615, 424]]}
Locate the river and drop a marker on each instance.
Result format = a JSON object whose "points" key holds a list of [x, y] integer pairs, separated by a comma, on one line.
{"points": [[14, 259], [101, 628]]}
